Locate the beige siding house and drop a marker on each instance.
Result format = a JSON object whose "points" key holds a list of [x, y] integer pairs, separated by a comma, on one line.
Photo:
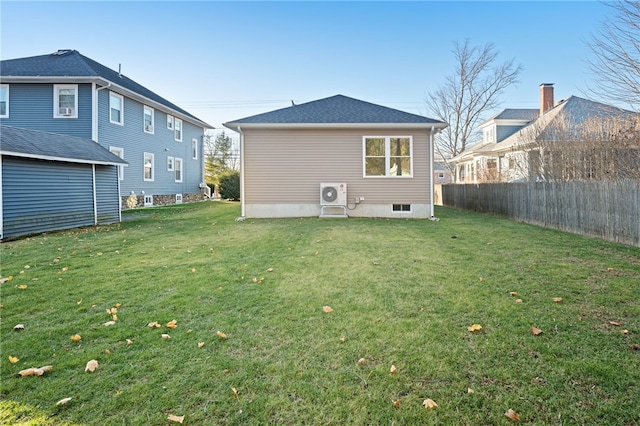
{"points": [[336, 157]]}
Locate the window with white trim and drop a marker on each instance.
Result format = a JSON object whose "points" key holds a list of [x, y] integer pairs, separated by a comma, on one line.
{"points": [[4, 100], [147, 117], [388, 156], [116, 108], [65, 101], [194, 149], [148, 166], [170, 163], [178, 169], [120, 153], [177, 128], [169, 122]]}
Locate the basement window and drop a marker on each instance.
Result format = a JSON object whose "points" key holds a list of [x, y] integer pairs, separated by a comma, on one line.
{"points": [[401, 207], [148, 200]]}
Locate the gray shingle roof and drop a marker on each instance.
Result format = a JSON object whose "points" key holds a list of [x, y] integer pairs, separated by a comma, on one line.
{"points": [[70, 63], [35, 144], [518, 114], [337, 109]]}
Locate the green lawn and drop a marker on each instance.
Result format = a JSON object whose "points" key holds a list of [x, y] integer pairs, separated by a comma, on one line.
{"points": [[403, 294]]}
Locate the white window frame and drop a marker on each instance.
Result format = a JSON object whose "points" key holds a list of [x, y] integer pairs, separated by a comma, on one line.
{"points": [[194, 148], [170, 122], [5, 88], [148, 128], [178, 198], [56, 100], [121, 98], [178, 169], [144, 166], [116, 150], [148, 200], [387, 156], [177, 130], [170, 163]]}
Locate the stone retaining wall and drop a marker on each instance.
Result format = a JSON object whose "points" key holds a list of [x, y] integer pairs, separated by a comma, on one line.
{"points": [[136, 201]]}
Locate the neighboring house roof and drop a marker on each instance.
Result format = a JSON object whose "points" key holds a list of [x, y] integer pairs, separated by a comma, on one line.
{"points": [[573, 110], [335, 111], [525, 114], [27, 143], [69, 65]]}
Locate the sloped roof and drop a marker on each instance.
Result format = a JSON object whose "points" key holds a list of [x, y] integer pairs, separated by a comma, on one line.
{"points": [[527, 114], [18, 142], [336, 110], [70, 63], [574, 110]]}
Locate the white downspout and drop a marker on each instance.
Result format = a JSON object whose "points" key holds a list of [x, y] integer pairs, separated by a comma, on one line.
{"points": [[242, 208], [95, 196], [431, 168]]}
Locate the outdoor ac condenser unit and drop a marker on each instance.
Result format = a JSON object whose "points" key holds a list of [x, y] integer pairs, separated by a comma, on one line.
{"points": [[333, 194]]}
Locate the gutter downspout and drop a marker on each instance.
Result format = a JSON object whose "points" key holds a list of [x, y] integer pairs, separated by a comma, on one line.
{"points": [[242, 207], [431, 134], [94, 130]]}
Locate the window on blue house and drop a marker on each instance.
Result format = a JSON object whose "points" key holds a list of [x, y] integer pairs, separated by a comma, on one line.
{"points": [[148, 166], [178, 129], [178, 169], [194, 149], [116, 108], [148, 119], [65, 101], [4, 100], [120, 153]]}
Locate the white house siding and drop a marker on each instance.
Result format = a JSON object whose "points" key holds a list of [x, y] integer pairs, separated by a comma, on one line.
{"points": [[284, 169]]}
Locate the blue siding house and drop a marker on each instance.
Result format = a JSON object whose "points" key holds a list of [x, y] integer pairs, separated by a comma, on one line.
{"points": [[71, 94], [50, 181]]}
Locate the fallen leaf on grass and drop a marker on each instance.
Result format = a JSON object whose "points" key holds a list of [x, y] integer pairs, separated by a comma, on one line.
{"points": [[18, 327], [474, 327], [269, 269], [108, 323], [343, 339], [13, 359], [536, 331], [634, 347], [616, 323], [513, 293], [154, 324], [22, 286], [362, 361], [625, 331], [63, 401], [470, 391], [129, 342], [512, 415], [200, 345], [557, 299], [429, 403], [91, 366], [178, 419], [518, 300], [76, 338], [221, 335], [396, 403], [235, 391], [35, 371], [393, 369], [166, 336], [327, 309], [172, 324]]}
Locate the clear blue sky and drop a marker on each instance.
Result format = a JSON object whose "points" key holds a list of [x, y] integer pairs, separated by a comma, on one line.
{"points": [[228, 60]]}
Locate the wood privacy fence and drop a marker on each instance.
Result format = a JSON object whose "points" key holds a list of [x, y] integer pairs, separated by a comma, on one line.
{"points": [[607, 210]]}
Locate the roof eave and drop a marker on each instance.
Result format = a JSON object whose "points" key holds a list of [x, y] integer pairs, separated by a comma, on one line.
{"points": [[235, 126], [65, 159]]}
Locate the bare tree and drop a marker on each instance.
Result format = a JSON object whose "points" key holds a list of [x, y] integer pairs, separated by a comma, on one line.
{"points": [[474, 88], [598, 148], [616, 49]]}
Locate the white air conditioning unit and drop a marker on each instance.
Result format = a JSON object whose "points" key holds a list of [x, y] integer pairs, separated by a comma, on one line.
{"points": [[333, 194], [65, 111], [148, 129]]}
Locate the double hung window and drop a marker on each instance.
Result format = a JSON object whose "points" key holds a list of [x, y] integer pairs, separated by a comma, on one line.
{"points": [[388, 156]]}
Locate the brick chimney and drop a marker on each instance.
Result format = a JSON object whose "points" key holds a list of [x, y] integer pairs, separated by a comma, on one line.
{"points": [[546, 97]]}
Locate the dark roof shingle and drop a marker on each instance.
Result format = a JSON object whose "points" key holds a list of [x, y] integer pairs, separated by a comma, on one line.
{"points": [[337, 109], [70, 63], [35, 144]]}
